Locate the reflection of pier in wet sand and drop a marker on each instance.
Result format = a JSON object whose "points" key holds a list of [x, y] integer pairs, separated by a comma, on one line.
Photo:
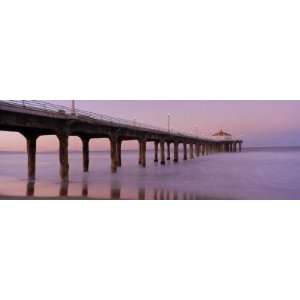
{"points": [[115, 193]]}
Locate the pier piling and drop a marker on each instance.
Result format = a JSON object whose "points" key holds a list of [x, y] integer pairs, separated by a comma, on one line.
{"points": [[63, 155]]}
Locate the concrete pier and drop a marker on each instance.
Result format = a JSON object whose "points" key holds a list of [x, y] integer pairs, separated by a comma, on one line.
{"points": [[184, 151], [162, 153], [191, 151], [155, 151], [85, 153], [240, 146], [176, 156], [31, 155], [143, 153], [114, 154], [140, 152], [168, 151], [206, 149], [36, 119], [63, 155], [119, 153], [197, 150]]}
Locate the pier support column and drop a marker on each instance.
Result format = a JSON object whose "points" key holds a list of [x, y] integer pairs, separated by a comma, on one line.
{"points": [[197, 150], [63, 155], [162, 153], [168, 151], [206, 149], [240, 147], [184, 151], [31, 155], [114, 154], [119, 152], [155, 151], [191, 151], [85, 153], [234, 146], [175, 152], [142, 153], [203, 149]]}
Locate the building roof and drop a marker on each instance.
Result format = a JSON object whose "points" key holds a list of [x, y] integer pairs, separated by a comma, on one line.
{"points": [[221, 133]]}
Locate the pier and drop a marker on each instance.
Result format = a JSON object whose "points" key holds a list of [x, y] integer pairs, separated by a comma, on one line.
{"points": [[38, 118]]}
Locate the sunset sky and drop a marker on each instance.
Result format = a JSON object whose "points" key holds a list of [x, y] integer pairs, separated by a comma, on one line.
{"points": [[258, 123]]}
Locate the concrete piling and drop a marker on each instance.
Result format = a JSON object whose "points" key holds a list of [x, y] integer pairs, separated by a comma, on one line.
{"points": [[184, 151], [143, 153], [197, 150], [114, 154], [191, 151], [85, 153], [140, 152], [119, 153], [162, 153], [168, 151], [31, 155], [155, 151], [175, 152], [240, 146], [63, 155]]}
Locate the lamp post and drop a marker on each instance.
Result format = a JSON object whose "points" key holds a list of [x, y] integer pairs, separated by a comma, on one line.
{"points": [[169, 119], [73, 107]]}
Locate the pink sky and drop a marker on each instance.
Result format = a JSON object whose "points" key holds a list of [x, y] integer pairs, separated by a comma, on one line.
{"points": [[258, 123]]}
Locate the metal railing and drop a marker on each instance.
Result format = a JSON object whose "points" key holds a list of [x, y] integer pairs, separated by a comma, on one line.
{"points": [[64, 111]]}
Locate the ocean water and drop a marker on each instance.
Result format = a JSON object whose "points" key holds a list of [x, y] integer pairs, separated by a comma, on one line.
{"points": [[262, 173]]}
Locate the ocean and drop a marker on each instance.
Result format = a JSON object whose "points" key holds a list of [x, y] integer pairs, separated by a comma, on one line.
{"points": [[257, 173]]}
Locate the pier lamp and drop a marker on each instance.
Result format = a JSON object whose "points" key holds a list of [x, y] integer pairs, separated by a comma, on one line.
{"points": [[73, 107], [169, 120]]}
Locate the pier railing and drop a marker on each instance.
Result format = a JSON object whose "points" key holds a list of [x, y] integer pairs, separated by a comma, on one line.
{"points": [[60, 110]]}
